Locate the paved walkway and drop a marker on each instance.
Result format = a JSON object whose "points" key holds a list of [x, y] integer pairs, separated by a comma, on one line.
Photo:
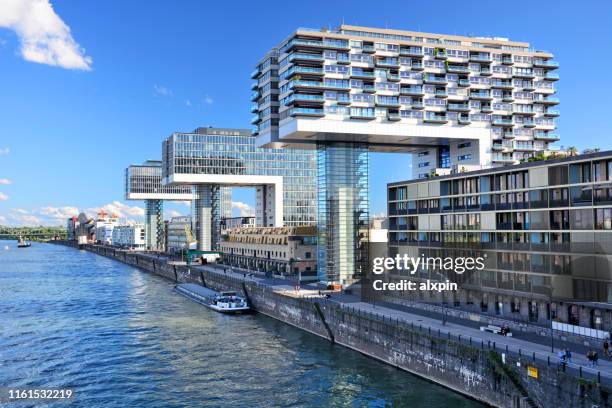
{"points": [[525, 342]]}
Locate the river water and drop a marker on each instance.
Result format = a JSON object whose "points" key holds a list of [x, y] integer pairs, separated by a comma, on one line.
{"points": [[120, 337]]}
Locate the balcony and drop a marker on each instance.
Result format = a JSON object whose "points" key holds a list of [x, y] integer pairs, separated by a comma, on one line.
{"points": [[430, 79], [508, 97], [431, 117], [481, 58], [552, 113], [417, 66], [507, 61], [481, 95], [255, 73], [441, 93], [297, 84], [255, 120], [523, 147], [464, 82], [458, 69], [314, 112], [545, 63], [486, 108], [548, 137], [411, 52], [255, 96], [391, 102], [304, 98], [254, 86], [458, 107], [523, 74], [307, 43], [485, 72], [502, 85], [360, 114], [388, 62], [393, 77], [528, 123], [254, 108], [454, 96], [305, 70], [503, 122], [498, 147], [508, 135], [441, 54], [464, 120], [417, 105], [369, 88], [335, 85], [523, 112], [547, 101], [412, 91], [528, 86], [503, 159], [368, 48], [551, 77], [356, 73], [300, 56], [393, 116]]}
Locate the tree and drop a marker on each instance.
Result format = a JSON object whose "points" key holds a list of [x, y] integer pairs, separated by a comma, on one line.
{"points": [[572, 151]]}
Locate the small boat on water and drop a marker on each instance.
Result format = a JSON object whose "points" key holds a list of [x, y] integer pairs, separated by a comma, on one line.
{"points": [[22, 243], [223, 302]]}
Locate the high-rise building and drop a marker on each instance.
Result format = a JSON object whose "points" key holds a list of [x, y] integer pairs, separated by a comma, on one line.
{"points": [[450, 100], [544, 229], [213, 158]]}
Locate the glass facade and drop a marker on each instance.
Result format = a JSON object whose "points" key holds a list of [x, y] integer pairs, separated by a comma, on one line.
{"points": [[343, 211], [232, 152], [146, 179], [154, 225]]}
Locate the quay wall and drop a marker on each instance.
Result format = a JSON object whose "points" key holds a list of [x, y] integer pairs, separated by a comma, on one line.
{"points": [[479, 370]]}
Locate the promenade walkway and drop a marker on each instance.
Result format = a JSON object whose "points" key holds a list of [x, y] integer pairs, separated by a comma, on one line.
{"points": [[528, 345]]}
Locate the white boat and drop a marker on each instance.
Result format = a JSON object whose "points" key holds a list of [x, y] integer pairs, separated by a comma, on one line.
{"points": [[22, 243], [223, 302]]}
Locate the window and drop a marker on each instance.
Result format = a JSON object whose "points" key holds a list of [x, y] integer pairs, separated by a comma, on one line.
{"points": [[464, 157], [464, 145], [424, 164], [421, 154], [603, 219]]}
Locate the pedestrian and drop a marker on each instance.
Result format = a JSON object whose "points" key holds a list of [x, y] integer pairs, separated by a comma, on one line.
{"points": [[590, 357], [562, 360], [568, 356], [595, 357], [606, 348]]}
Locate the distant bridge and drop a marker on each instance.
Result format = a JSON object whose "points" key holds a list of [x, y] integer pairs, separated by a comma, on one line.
{"points": [[33, 233]]}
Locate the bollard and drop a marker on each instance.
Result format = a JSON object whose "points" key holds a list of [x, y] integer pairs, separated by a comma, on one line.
{"points": [[548, 360], [506, 349], [599, 377], [534, 356], [580, 370], [493, 345], [519, 352]]}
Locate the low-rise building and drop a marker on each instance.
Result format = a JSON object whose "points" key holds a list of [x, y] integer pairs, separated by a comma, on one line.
{"points": [[544, 228], [129, 236], [104, 227], [288, 252], [178, 234]]}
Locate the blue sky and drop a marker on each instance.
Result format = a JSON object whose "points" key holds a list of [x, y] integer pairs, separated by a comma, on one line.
{"points": [[67, 133]]}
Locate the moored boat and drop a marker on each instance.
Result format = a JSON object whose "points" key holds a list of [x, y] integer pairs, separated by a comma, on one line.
{"points": [[223, 302]]}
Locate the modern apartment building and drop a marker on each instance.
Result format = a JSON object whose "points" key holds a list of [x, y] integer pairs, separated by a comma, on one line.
{"points": [[130, 236], [545, 229], [211, 158], [288, 252], [237, 222], [450, 100]]}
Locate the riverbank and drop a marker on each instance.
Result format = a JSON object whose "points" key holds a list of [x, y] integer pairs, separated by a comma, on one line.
{"points": [[483, 371]]}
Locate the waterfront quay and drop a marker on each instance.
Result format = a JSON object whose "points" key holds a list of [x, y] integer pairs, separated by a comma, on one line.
{"points": [[500, 371]]}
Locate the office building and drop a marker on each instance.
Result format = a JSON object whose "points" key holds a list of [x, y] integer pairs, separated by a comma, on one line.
{"points": [[212, 158], [129, 236], [287, 252], [544, 228], [450, 100], [143, 182]]}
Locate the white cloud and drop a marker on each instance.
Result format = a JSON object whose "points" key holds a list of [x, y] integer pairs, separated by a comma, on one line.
{"points": [[5, 181], [208, 100], [3, 197], [173, 213], [162, 90], [186, 203], [4, 150], [244, 209], [117, 208], [21, 211], [29, 220], [2, 219], [59, 213], [44, 37]]}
